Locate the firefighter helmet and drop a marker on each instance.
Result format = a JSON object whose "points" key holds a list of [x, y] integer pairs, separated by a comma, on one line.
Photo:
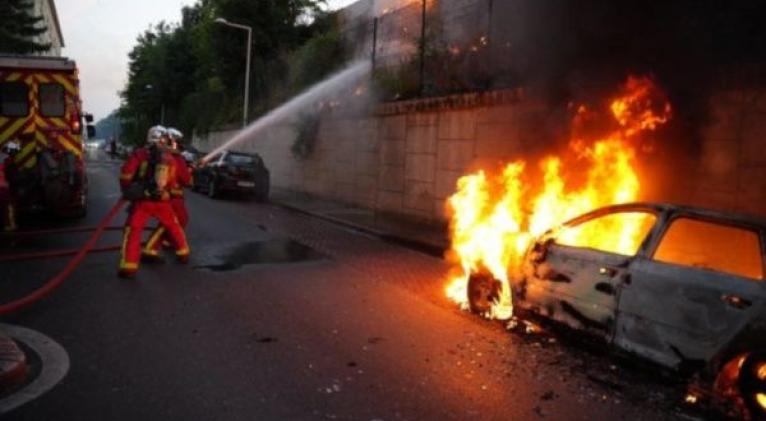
{"points": [[175, 134], [11, 148], [157, 135], [176, 138]]}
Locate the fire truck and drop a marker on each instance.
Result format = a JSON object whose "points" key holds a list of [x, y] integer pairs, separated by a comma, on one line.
{"points": [[41, 113]]}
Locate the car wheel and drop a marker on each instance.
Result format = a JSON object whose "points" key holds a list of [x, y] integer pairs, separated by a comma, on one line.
{"points": [[752, 384], [262, 195], [212, 190], [483, 292]]}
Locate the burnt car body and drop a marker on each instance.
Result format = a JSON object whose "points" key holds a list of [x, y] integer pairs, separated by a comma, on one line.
{"points": [[233, 172], [688, 295]]}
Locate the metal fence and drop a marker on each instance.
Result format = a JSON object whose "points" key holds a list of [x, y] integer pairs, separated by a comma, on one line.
{"points": [[437, 47]]}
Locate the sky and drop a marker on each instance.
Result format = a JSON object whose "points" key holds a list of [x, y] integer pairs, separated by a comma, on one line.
{"points": [[98, 34]]}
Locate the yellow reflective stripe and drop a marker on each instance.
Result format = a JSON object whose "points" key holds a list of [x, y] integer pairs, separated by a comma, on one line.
{"points": [[183, 252], [29, 148], [126, 177], [10, 131], [13, 77], [156, 235], [123, 263], [64, 81], [142, 169], [41, 139], [42, 78]]}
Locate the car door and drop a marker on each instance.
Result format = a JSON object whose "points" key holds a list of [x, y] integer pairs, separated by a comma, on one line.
{"points": [[574, 275], [697, 288]]}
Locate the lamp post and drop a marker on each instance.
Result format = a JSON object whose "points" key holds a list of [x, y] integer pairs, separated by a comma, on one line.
{"points": [[247, 65], [150, 87]]}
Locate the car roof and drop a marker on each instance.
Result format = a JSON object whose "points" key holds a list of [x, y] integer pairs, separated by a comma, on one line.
{"points": [[732, 217]]}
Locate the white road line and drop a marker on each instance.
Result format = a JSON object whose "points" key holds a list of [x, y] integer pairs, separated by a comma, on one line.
{"points": [[54, 361]]}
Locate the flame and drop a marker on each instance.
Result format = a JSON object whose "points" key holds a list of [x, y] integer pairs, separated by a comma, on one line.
{"points": [[494, 218]]}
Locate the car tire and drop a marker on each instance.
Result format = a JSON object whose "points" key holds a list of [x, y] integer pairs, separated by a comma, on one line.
{"points": [[752, 384], [262, 196], [212, 190], [483, 291]]}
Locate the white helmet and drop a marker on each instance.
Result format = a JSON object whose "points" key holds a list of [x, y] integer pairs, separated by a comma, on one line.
{"points": [[176, 137], [175, 134], [11, 148], [156, 135]]}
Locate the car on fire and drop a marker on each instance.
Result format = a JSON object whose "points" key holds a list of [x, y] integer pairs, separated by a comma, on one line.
{"points": [[233, 172], [682, 287]]}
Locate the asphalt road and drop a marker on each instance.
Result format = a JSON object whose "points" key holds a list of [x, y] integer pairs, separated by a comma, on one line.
{"points": [[281, 316]]}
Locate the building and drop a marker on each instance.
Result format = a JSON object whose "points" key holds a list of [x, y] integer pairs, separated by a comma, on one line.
{"points": [[53, 35]]}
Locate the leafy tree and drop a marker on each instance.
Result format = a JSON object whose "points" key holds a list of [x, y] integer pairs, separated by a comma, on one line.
{"points": [[18, 27], [194, 70]]}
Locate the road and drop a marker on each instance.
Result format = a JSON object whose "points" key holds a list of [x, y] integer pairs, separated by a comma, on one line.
{"points": [[282, 316]]}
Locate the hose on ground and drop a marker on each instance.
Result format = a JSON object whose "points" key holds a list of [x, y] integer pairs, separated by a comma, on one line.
{"points": [[56, 281]]}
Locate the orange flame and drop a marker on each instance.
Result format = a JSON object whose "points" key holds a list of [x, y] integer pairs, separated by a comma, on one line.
{"points": [[494, 218]]}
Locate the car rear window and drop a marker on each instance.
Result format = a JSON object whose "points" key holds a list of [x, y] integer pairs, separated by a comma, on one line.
{"points": [[14, 99], [619, 233], [52, 101], [240, 159], [712, 246]]}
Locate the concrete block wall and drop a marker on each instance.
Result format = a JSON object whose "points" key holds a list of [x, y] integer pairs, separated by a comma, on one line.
{"points": [[407, 158], [731, 172]]}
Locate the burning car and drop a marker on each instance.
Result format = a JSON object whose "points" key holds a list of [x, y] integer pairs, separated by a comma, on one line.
{"points": [[233, 172], [679, 286]]}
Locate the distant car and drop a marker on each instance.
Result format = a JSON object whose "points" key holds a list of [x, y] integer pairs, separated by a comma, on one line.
{"points": [[233, 172], [682, 287]]}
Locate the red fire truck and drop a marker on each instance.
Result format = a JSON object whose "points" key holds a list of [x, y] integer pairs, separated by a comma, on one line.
{"points": [[41, 112]]}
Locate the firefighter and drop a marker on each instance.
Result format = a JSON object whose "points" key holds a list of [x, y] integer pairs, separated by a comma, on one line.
{"points": [[183, 178], [7, 196], [146, 180]]}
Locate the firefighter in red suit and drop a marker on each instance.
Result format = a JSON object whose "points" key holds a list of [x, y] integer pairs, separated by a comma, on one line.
{"points": [[146, 180], [183, 178]]}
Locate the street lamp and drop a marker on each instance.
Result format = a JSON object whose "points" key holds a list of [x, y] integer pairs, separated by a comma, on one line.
{"points": [[150, 87], [249, 30]]}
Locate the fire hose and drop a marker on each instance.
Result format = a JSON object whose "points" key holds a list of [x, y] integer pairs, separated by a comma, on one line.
{"points": [[56, 281]]}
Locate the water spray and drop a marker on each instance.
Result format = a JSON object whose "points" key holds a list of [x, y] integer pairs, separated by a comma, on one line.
{"points": [[352, 75]]}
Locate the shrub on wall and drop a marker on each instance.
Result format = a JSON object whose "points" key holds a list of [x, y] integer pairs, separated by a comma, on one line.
{"points": [[308, 130]]}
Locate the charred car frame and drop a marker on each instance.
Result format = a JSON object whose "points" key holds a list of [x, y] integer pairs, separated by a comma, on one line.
{"points": [[689, 297]]}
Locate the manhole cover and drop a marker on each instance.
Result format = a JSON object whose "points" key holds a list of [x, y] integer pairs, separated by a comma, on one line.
{"points": [[277, 251]]}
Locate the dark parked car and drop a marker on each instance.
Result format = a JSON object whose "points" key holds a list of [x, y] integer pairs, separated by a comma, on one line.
{"points": [[233, 172], [682, 287]]}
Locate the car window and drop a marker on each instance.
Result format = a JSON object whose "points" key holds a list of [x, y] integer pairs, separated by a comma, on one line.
{"points": [[619, 233], [240, 159], [52, 102], [712, 246], [14, 99]]}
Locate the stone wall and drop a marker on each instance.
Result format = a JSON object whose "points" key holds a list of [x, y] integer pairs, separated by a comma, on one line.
{"points": [[731, 170], [406, 158]]}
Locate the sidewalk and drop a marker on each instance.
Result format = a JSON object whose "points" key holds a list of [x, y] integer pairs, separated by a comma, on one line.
{"points": [[431, 238], [13, 364]]}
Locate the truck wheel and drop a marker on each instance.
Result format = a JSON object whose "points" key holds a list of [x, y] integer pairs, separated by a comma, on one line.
{"points": [[752, 384], [483, 292]]}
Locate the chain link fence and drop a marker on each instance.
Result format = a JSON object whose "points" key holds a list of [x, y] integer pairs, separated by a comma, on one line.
{"points": [[430, 48]]}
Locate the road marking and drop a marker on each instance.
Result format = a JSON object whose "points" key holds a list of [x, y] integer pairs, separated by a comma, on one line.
{"points": [[54, 362]]}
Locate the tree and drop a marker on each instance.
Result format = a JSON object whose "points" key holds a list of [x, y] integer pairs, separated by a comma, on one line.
{"points": [[196, 68], [18, 27]]}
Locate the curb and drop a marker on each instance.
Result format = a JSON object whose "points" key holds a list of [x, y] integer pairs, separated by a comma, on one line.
{"points": [[414, 244], [13, 364]]}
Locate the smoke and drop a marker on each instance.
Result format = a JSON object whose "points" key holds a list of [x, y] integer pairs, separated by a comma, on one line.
{"points": [[351, 76]]}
